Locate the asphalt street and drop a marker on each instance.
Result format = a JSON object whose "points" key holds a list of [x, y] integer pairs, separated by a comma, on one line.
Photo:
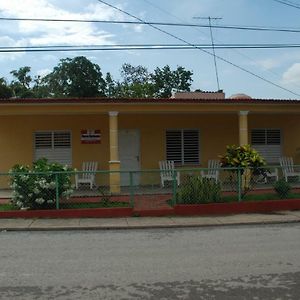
{"points": [[241, 262]]}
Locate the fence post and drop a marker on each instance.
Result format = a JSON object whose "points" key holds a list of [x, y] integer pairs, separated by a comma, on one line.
{"points": [[57, 191], [131, 189], [239, 183], [174, 188]]}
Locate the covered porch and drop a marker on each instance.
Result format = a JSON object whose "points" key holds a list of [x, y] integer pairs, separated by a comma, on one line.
{"points": [[134, 135]]}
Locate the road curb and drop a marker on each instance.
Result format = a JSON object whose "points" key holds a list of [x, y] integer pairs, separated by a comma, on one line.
{"points": [[138, 227]]}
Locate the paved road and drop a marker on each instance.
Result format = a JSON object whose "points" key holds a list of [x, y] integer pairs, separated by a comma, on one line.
{"points": [[246, 262]]}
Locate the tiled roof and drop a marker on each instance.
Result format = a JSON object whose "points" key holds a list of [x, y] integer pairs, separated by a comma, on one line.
{"points": [[143, 101]]}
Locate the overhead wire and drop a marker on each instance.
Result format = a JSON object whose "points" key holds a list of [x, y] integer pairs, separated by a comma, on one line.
{"points": [[203, 50], [288, 3], [230, 27], [113, 47], [236, 50]]}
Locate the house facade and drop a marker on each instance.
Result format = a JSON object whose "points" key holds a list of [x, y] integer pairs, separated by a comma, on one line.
{"points": [[135, 134]]}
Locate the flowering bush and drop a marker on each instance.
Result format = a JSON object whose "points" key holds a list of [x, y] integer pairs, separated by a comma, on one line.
{"points": [[35, 187]]}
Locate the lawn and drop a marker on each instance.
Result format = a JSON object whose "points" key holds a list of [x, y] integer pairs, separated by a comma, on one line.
{"points": [[246, 198], [102, 204]]}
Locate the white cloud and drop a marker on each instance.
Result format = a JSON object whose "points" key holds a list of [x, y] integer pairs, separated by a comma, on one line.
{"points": [[43, 72], [269, 63], [53, 33], [6, 41], [292, 75]]}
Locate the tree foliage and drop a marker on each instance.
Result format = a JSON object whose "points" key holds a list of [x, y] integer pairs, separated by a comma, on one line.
{"points": [[21, 83], [79, 77], [76, 77], [5, 89]]}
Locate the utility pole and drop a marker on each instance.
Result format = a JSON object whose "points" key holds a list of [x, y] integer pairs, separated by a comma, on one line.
{"points": [[212, 44]]}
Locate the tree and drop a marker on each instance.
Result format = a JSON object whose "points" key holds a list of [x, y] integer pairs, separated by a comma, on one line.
{"points": [[40, 89], [134, 75], [21, 84], [76, 77], [5, 90], [167, 81]]}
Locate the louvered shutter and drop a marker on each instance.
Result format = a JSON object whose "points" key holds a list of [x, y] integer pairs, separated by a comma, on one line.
{"points": [[174, 145], [191, 146], [182, 146], [55, 146], [268, 143]]}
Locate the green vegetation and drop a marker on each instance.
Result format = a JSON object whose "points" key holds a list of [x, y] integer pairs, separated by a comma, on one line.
{"points": [[282, 188], [79, 77], [37, 187], [7, 207], [247, 163], [101, 204], [196, 190]]}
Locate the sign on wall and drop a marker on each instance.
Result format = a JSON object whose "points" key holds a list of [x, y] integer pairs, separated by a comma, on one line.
{"points": [[90, 136]]}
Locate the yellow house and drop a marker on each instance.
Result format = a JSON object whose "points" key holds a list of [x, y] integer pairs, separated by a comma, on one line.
{"points": [[135, 134]]}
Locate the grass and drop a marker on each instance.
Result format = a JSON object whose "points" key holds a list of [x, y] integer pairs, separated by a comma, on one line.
{"points": [[102, 204], [7, 207], [247, 198], [106, 204]]}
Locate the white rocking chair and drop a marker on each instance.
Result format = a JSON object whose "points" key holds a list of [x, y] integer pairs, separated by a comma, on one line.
{"points": [[212, 170], [89, 177], [167, 169], [287, 165]]}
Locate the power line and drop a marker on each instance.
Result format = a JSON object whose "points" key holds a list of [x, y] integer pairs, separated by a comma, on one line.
{"points": [[213, 46], [73, 48], [288, 3], [205, 51], [236, 50], [230, 27]]}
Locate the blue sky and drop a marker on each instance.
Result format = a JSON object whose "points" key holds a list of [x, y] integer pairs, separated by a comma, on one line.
{"points": [[280, 66]]}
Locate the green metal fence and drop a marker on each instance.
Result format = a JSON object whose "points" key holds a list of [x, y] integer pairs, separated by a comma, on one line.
{"points": [[144, 189]]}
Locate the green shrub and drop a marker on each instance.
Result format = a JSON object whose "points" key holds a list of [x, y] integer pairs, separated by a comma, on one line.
{"points": [[198, 190], [282, 188], [35, 187], [243, 157], [245, 160]]}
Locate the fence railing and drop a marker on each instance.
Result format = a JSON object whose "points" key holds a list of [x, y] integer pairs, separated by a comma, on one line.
{"points": [[153, 188]]}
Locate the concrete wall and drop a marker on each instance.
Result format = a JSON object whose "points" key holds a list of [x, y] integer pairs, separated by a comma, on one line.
{"points": [[216, 131]]}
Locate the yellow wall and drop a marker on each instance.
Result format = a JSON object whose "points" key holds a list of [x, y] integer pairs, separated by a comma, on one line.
{"points": [[16, 138], [153, 128], [290, 131], [216, 131]]}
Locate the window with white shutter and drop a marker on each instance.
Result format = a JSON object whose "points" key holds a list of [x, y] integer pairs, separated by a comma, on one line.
{"points": [[53, 145], [267, 141], [182, 146]]}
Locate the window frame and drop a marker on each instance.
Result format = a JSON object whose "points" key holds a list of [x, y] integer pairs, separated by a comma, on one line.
{"points": [[182, 160], [266, 144], [52, 141]]}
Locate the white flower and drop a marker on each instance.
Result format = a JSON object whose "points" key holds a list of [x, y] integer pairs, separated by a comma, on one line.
{"points": [[40, 200], [36, 190], [19, 203], [52, 185], [15, 194], [24, 177]]}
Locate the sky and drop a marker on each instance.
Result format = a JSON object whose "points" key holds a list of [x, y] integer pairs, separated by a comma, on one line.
{"points": [[280, 66]]}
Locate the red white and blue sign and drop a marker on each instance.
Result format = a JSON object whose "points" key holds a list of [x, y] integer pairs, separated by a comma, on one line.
{"points": [[90, 136]]}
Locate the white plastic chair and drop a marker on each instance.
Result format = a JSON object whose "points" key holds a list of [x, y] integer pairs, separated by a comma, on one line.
{"points": [[167, 169], [212, 170], [287, 165], [89, 177], [272, 174]]}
